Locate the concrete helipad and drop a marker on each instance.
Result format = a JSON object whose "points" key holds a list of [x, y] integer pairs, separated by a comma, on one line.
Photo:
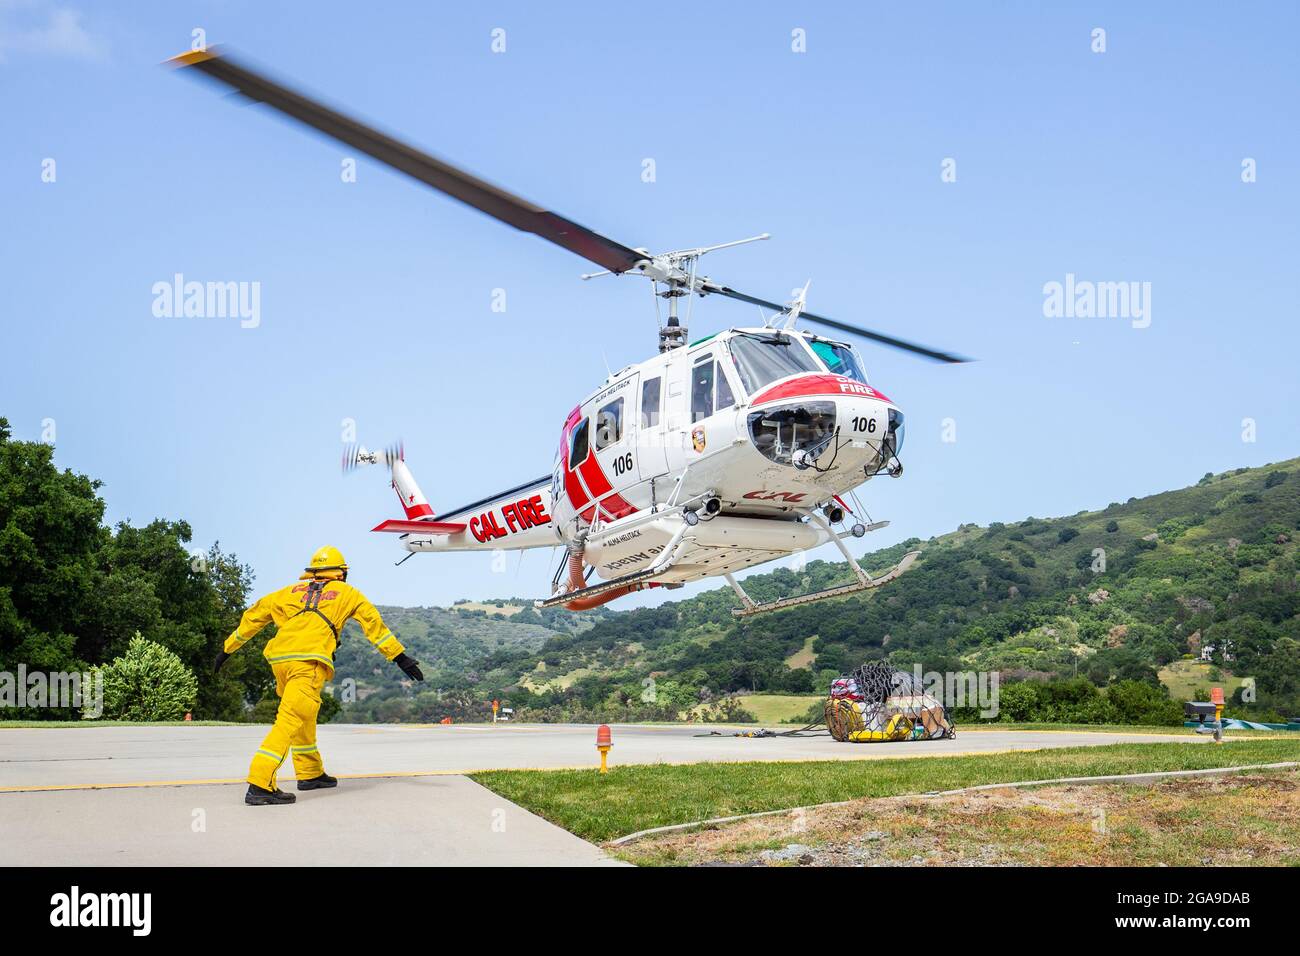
{"points": [[173, 795]]}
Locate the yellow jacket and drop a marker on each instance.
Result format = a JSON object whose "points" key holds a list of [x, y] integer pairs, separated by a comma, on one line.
{"points": [[303, 634]]}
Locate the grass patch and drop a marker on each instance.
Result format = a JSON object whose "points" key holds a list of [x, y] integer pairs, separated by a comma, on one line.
{"points": [[1183, 678], [805, 657], [627, 799], [1098, 728], [776, 708]]}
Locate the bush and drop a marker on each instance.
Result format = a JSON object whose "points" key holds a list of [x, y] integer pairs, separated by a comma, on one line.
{"points": [[1077, 701], [148, 682], [1018, 701], [1112, 526], [728, 710], [1140, 703]]}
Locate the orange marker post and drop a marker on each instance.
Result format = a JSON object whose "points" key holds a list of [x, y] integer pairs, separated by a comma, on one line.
{"points": [[1216, 698], [604, 740]]}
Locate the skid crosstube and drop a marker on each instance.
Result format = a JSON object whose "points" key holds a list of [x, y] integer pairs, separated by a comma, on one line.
{"points": [[865, 582]]}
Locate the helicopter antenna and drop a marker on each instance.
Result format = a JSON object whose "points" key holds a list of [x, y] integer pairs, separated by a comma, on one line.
{"points": [[797, 305]]}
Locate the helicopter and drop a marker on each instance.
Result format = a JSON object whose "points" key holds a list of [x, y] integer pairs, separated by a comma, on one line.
{"points": [[716, 455]]}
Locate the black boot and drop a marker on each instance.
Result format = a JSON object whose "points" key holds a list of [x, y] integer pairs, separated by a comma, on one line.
{"points": [[257, 797], [323, 782]]}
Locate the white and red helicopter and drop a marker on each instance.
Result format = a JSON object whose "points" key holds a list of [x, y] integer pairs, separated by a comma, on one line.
{"points": [[711, 457]]}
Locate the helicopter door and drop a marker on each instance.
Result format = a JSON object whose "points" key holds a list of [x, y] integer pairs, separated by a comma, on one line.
{"points": [[613, 443], [652, 426]]}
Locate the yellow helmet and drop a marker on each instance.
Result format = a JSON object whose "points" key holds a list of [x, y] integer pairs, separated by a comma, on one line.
{"points": [[327, 562]]}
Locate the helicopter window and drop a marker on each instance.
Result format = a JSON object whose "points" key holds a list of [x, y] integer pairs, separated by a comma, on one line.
{"points": [[609, 424], [839, 359], [762, 359], [702, 390], [578, 448], [650, 402], [725, 398]]}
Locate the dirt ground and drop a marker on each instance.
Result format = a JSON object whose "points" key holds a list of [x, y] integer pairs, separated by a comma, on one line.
{"points": [[1243, 820]]}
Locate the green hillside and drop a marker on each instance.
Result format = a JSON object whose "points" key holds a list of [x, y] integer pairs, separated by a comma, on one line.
{"points": [[1105, 596], [450, 643]]}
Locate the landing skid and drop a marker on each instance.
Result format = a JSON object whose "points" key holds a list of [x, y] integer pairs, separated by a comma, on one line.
{"points": [[595, 589], [665, 562], [864, 582]]}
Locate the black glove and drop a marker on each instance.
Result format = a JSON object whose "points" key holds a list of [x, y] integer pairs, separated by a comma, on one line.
{"points": [[410, 667], [222, 657]]}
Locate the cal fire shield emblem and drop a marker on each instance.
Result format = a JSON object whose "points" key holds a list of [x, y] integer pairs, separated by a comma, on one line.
{"points": [[697, 437]]}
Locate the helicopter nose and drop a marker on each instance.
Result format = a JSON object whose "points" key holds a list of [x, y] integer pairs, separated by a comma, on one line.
{"points": [[804, 420], [794, 433]]}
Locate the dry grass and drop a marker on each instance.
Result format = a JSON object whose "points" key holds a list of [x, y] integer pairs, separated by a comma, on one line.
{"points": [[1249, 819]]}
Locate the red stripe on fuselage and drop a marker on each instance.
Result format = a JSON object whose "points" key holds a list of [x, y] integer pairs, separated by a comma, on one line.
{"points": [[818, 383], [613, 505], [572, 486], [587, 482]]}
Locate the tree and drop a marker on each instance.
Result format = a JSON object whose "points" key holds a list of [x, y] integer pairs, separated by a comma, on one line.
{"points": [[73, 593], [50, 533], [148, 682], [1279, 670], [1137, 702]]}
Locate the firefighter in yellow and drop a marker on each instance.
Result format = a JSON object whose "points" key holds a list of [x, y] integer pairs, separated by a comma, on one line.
{"points": [[310, 616]]}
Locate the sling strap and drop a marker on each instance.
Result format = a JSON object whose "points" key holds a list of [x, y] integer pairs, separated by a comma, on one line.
{"points": [[311, 600]]}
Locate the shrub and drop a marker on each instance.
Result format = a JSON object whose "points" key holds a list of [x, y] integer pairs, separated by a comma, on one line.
{"points": [[1139, 703], [148, 682], [1018, 701]]}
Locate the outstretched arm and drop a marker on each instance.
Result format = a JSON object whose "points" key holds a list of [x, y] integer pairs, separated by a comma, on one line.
{"points": [[384, 641], [253, 620]]}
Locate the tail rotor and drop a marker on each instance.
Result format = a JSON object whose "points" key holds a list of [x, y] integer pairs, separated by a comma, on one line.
{"points": [[354, 456]]}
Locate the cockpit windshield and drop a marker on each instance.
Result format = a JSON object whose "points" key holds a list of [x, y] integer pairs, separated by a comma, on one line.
{"points": [[762, 359], [839, 359]]}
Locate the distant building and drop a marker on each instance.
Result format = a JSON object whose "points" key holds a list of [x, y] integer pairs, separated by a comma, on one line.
{"points": [[1207, 652]]}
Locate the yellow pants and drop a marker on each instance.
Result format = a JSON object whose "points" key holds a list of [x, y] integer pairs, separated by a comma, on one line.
{"points": [[298, 685]]}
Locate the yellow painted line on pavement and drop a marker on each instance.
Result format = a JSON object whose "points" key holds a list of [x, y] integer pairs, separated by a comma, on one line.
{"points": [[469, 771], [147, 784]]}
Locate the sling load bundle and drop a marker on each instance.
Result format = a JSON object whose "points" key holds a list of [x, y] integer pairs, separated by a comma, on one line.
{"points": [[876, 703]]}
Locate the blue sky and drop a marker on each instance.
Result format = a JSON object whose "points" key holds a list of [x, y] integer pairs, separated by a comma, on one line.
{"points": [[376, 295]]}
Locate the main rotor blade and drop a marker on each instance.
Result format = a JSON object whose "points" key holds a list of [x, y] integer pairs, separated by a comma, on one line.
{"points": [[442, 176], [836, 324]]}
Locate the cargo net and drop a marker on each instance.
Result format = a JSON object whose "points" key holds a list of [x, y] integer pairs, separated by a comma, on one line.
{"points": [[876, 703]]}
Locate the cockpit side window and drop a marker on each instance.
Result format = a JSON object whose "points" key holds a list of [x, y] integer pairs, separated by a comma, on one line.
{"points": [[650, 399], [725, 397], [578, 444], [702, 389], [609, 424], [839, 359]]}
